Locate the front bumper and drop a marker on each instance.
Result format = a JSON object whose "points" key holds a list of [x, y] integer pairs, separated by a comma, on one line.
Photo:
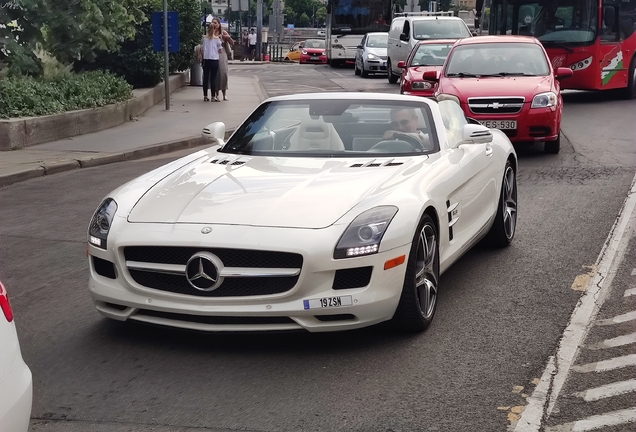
{"points": [[533, 124], [375, 66], [16, 397], [304, 58], [120, 297]]}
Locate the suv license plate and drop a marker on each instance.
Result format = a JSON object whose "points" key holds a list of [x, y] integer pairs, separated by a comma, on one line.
{"points": [[500, 124]]}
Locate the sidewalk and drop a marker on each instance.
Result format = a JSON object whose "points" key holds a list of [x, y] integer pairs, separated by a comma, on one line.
{"points": [[157, 131]]}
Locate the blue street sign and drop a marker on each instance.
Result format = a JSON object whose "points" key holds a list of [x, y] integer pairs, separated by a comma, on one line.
{"points": [[290, 26], [173, 31]]}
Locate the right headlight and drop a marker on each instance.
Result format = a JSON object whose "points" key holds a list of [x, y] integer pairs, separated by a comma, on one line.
{"points": [[544, 100], [364, 233], [101, 222]]}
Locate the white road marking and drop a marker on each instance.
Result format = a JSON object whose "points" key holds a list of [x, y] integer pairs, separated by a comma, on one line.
{"points": [[614, 342], [581, 319], [630, 292], [609, 390], [618, 319], [598, 421], [605, 365]]}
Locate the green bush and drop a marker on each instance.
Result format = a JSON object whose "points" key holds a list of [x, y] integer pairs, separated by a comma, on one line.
{"points": [[29, 97]]}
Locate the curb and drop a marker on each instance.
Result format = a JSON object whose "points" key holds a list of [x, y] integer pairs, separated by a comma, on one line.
{"points": [[153, 150]]}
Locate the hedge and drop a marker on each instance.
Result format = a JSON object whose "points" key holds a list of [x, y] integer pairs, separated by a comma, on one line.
{"points": [[25, 96]]}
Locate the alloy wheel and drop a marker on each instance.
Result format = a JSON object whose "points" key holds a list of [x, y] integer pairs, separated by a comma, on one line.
{"points": [[426, 271], [509, 202]]}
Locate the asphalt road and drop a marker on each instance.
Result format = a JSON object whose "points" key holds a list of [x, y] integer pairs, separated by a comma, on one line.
{"points": [[500, 316]]}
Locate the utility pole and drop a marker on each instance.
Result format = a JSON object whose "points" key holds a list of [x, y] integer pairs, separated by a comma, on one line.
{"points": [[166, 55], [259, 29]]}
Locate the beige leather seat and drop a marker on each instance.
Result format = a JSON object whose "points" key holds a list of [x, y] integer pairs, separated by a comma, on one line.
{"points": [[315, 134]]}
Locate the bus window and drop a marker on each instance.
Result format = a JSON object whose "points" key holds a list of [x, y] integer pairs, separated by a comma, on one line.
{"points": [[609, 22], [627, 18]]}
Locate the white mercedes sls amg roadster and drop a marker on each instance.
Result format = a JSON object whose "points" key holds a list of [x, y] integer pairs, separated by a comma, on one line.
{"points": [[323, 212]]}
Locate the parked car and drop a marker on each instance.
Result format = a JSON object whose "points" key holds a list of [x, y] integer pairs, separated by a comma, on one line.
{"points": [[16, 382], [313, 51], [293, 54], [508, 83], [407, 30], [371, 54], [323, 211], [426, 56]]}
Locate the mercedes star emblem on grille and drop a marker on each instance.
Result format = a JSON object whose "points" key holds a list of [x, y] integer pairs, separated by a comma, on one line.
{"points": [[203, 271]]}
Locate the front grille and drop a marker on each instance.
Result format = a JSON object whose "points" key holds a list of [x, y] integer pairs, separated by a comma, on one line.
{"points": [[221, 320], [338, 317], [230, 257], [352, 278], [231, 287], [104, 268], [496, 105]]}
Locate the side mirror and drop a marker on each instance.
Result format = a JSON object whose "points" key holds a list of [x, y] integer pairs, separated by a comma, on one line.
{"points": [[475, 134], [404, 37], [360, 47], [563, 72], [401, 64], [431, 75], [214, 132]]}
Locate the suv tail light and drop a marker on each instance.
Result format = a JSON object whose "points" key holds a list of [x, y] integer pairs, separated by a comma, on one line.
{"points": [[4, 303]]}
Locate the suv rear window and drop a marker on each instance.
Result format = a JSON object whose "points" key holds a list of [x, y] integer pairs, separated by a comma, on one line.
{"points": [[440, 29]]}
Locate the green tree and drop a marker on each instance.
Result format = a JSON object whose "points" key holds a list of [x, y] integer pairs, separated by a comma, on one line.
{"points": [[304, 20]]}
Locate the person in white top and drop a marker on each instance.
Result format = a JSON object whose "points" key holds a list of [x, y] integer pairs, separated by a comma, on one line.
{"points": [[252, 41], [211, 47]]}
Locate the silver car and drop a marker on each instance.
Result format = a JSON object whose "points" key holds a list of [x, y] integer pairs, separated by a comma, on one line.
{"points": [[371, 54]]}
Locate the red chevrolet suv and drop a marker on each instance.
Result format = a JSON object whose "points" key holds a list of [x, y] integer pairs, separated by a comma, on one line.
{"points": [[507, 83]]}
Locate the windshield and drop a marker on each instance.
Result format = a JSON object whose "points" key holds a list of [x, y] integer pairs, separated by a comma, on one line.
{"points": [[440, 29], [336, 128], [497, 59], [553, 22], [314, 43], [430, 54], [360, 16], [377, 40]]}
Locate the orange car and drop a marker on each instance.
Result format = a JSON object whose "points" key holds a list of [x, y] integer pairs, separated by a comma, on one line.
{"points": [[294, 52]]}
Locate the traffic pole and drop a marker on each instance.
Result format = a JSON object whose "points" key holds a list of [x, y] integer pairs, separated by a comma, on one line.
{"points": [[166, 62]]}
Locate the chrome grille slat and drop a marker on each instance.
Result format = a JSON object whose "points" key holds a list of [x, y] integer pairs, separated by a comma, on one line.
{"points": [[496, 104]]}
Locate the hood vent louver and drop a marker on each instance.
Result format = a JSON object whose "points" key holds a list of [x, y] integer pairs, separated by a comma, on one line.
{"points": [[229, 160], [374, 163]]}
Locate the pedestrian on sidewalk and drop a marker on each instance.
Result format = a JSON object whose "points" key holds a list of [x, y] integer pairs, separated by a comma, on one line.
{"points": [[226, 54], [211, 44], [252, 39], [245, 44]]}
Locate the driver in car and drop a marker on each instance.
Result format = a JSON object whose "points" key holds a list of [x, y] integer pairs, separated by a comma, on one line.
{"points": [[404, 120]]}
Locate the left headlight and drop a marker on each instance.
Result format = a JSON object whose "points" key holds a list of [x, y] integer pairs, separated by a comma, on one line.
{"points": [[421, 85], [372, 56], [544, 100], [364, 233], [101, 222]]}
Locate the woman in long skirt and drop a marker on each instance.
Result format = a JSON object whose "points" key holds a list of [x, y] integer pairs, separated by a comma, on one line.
{"points": [[221, 76]]}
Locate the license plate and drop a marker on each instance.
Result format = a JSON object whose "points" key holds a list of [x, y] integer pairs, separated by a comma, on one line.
{"points": [[500, 124], [328, 302]]}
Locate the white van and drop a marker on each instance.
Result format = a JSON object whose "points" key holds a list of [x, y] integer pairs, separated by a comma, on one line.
{"points": [[408, 28]]}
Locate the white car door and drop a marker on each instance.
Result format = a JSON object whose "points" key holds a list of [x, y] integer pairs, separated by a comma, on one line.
{"points": [[478, 172]]}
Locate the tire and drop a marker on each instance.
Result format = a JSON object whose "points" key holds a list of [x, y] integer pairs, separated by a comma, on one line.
{"points": [[505, 225], [418, 300], [363, 72], [392, 78], [552, 147], [630, 90], [355, 69]]}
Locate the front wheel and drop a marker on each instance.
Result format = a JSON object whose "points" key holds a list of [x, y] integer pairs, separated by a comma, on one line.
{"points": [[392, 78], [418, 300], [355, 69], [553, 147], [503, 228]]}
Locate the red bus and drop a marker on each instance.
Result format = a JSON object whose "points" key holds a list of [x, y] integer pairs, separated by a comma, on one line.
{"points": [[594, 38]]}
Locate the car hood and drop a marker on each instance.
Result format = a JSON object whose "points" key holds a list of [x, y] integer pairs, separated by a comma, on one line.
{"points": [[496, 86], [269, 191], [416, 72], [381, 52]]}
